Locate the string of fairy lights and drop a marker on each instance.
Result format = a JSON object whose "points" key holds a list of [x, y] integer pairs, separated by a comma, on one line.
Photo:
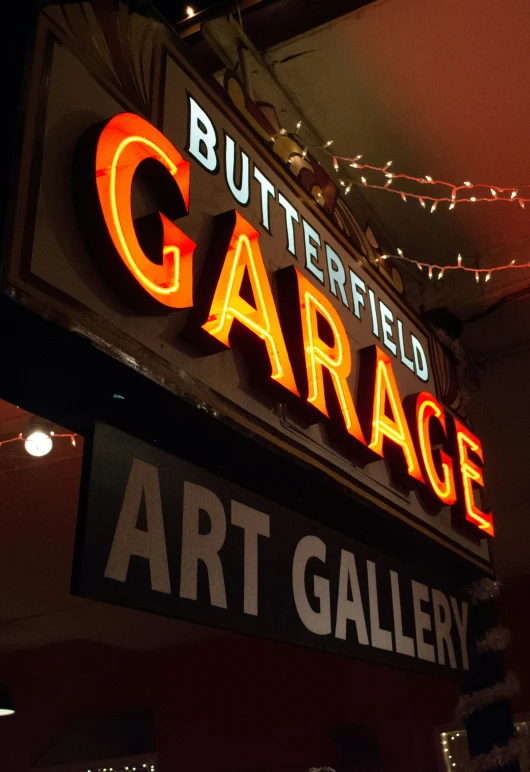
{"points": [[453, 194], [131, 767]]}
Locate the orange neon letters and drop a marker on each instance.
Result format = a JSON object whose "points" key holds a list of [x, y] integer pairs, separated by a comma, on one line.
{"points": [[395, 428], [471, 473], [320, 356], [244, 257], [427, 407], [124, 143]]}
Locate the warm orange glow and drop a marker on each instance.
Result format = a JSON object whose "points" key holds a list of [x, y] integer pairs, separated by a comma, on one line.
{"points": [[471, 473], [320, 356], [124, 143], [426, 408], [395, 428], [244, 257]]}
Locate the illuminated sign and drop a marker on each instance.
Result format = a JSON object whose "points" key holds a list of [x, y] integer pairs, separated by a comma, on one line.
{"points": [[125, 143], [231, 271], [235, 295]]}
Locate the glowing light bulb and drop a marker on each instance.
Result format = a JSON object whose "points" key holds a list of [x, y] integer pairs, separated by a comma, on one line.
{"points": [[190, 12], [363, 180], [348, 188], [403, 196], [298, 125], [335, 164], [433, 207], [468, 184], [459, 263], [430, 272], [488, 277], [38, 444], [422, 202], [452, 205], [513, 194], [441, 274], [384, 257], [521, 203], [453, 194], [328, 143], [472, 198], [429, 179], [493, 192], [400, 252], [477, 277]]}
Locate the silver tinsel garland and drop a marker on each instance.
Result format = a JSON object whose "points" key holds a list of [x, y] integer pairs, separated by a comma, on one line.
{"points": [[483, 590], [505, 690], [496, 639], [496, 758]]}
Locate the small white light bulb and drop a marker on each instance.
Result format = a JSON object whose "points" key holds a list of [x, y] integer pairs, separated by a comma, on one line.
{"points": [[429, 179], [38, 444], [190, 12]]}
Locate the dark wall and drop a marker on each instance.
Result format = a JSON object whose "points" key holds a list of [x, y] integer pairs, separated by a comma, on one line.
{"points": [[232, 704]]}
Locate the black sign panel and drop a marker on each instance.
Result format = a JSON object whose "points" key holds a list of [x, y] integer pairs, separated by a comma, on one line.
{"points": [[162, 535]]}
